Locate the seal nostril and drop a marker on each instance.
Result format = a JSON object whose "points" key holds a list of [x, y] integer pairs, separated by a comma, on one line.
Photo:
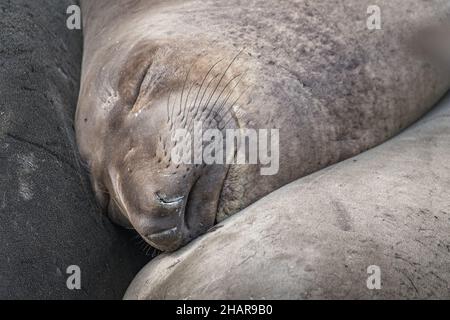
{"points": [[173, 202]]}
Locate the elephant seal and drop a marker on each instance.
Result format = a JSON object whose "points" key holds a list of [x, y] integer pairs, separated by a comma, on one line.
{"points": [[311, 69]]}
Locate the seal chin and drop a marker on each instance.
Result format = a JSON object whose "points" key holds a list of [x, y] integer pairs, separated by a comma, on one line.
{"points": [[168, 240]]}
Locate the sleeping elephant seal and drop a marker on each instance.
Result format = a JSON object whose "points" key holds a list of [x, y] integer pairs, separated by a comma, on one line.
{"points": [[311, 69]]}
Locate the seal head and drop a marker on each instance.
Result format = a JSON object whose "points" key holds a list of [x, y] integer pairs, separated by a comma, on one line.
{"points": [[137, 179]]}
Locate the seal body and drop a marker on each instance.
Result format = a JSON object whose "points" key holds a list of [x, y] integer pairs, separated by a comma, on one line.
{"points": [[312, 70]]}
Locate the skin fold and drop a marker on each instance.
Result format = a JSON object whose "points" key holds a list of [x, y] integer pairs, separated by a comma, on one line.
{"points": [[311, 69]]}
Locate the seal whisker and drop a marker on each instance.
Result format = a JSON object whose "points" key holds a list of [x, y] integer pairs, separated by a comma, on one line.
{"points": [[168, 106], [184, 118], [223, 76], [142, 244], [155, 252], [148, 249], [171, 116], [230, 108], [184, 86], [204, 79], [220, 95], [189, 92], [137, 238], [226, 123], [206, 89], [230, 94], [139, 241], [201, 85], [234, 102]]}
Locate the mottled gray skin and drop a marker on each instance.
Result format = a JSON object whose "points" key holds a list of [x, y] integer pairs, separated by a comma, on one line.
{"points": [[309, 68], [316, 237]]}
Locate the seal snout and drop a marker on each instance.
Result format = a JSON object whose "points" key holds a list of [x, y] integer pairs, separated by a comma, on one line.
{"points": [[162, 222]]}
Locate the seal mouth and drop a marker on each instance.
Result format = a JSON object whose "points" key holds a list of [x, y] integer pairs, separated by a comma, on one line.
{"points": [[167, 240], [164, 236]]}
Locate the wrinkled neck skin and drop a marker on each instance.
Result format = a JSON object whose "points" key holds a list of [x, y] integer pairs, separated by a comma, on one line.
{"points": [[127, 121]]}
